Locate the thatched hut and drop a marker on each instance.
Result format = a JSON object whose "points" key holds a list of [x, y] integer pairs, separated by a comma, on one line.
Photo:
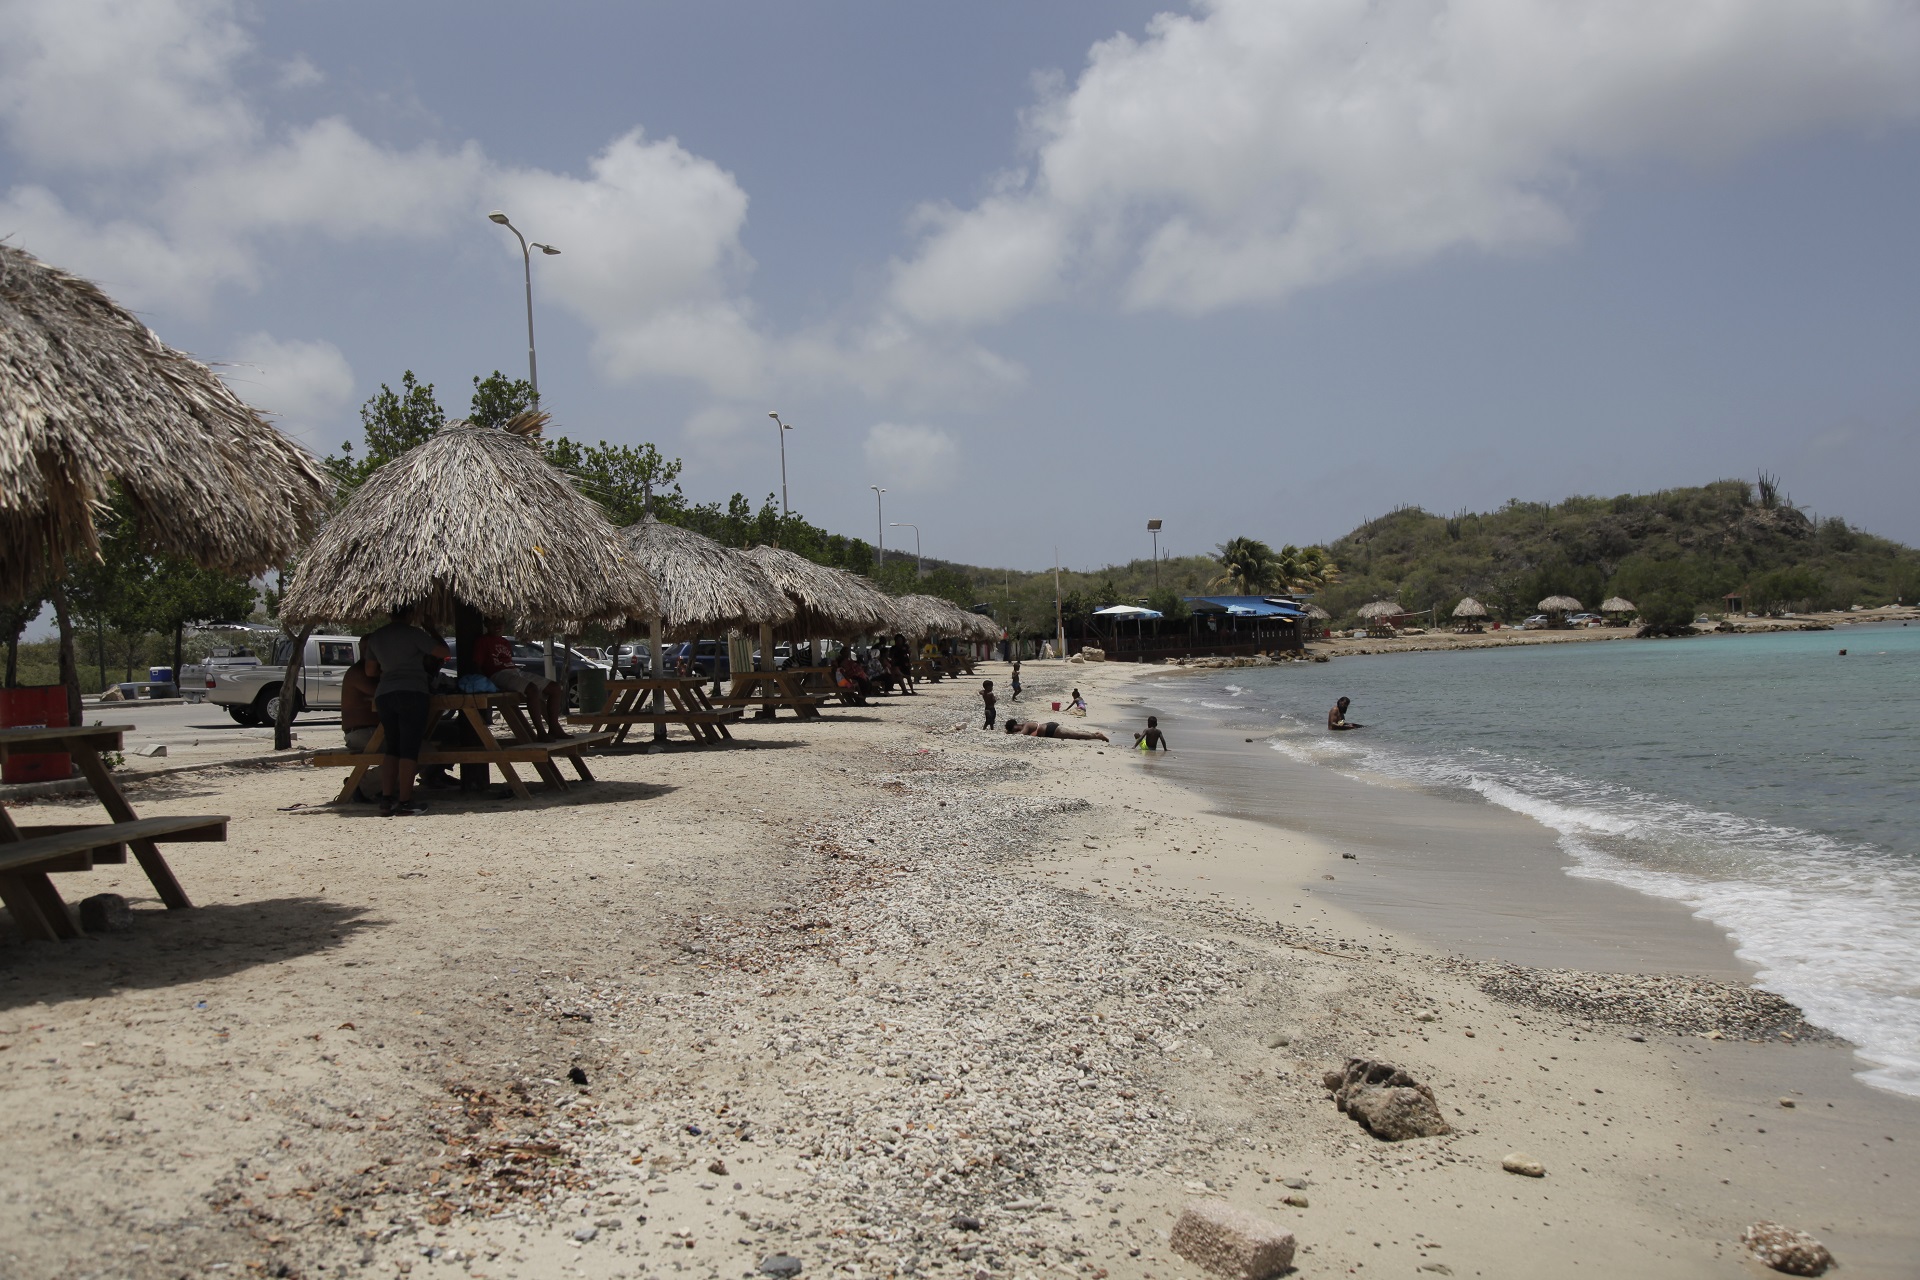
{"points": [[473, 517], [1381, 609], [1471, 614], [1559, 604], [828, 603], [921, 617], [1316, 612], [91, 398], [1619, 605], [705, 589]]}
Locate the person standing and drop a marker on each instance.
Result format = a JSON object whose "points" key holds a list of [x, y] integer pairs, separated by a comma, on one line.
{"points": [[399, 652], [1016, 681], [986, 696]]}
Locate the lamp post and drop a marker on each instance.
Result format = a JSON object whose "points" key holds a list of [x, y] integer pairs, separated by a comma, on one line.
{"points": [[879, 510], [904, 524], [784, 428], [533, 363], [1153, 527], [526, 263]]}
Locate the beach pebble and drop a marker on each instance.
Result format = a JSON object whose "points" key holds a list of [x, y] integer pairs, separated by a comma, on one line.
{"points": [[1231, 1242], [964, 1222], [1787, 1102], [1521, 1163], [780, 1264], [718, 1168], [1784, 1249], [1294, 1184], [1279, 1039], [1298, 1202], [584, 1234]]}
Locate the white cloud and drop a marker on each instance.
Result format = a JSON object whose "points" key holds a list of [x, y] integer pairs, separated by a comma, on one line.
{"points": [[303, 384], [907, 457], [187, 191], [1253, 149]]}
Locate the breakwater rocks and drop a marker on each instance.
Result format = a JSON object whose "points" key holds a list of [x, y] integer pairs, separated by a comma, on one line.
{"points": [[1655, 1001]]}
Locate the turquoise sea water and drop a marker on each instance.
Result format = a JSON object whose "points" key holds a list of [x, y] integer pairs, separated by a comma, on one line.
{"points": [[1768, 783]]}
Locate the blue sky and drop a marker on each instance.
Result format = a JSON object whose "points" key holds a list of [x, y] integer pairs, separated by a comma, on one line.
{"points": [[1041, 270]]}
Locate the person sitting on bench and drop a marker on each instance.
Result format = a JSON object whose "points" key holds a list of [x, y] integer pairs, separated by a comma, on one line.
{"points": [[546, 699]]}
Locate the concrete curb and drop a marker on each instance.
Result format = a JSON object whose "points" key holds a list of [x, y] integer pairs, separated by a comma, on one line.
{"points": [[81, 787]]}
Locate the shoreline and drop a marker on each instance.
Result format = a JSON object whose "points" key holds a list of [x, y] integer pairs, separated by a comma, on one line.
{"points": [[887, 994]]}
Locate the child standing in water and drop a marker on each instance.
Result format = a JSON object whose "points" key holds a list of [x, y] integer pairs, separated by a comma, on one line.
{"points": [[986, 696]]}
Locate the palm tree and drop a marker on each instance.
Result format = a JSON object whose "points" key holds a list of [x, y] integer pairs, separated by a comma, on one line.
{"points": [[1302, 569], [1248, 566]]}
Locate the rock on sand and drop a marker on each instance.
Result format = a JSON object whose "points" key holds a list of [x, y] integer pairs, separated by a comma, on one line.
{"points": [[1784, 1249], [1388, 1103], [1231, 1242]]}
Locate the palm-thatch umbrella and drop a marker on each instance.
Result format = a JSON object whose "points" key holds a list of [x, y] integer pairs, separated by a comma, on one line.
{"points": [[1559, 604], [931, 618], [1381, 609], [705, 588], [1469, 608], [91, 398], [1619, 604], [828, 603], [476, 517]]}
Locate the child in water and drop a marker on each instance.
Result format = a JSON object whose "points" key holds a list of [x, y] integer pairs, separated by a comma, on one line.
{"points": [[1151, 739]]}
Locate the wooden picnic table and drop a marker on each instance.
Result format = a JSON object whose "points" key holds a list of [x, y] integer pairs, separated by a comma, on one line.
{"points": [[29, 853], [631, 703], [472, 708], [771, 690]]}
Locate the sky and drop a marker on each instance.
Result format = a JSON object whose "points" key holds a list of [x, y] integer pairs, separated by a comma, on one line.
{"points": [[1040, 271]]}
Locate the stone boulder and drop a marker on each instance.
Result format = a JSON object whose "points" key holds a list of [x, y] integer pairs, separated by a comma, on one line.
{"points": [[1389, 1104], [1784, 1249], [1231, 1242]]}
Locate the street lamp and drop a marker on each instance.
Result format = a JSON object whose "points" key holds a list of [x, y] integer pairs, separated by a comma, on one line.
{"points": [[526, 263], [1153, 527], [879, 511], [784, 428], [905, 524]]}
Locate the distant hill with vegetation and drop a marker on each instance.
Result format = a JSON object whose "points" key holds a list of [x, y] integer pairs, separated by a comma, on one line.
{"points": [[1678, 550]]}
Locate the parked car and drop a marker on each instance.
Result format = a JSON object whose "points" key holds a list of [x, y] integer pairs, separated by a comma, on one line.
{"points": [[1586, 620], [251, 694], [707, 658], [782, 658], [1538, 622], [632, 659]]}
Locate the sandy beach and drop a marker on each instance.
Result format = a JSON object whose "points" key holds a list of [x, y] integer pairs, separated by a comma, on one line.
{"points": [[890, 995]]}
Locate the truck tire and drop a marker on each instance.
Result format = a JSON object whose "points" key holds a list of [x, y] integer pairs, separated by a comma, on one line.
{"points": [[266, 706], [243, 715]]}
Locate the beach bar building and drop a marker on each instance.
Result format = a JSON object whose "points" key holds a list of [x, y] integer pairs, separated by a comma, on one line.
{"points": [[1216, 626]]}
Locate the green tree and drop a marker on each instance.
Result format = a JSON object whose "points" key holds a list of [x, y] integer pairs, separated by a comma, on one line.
{"points": [[619, 477], [183, 594], [392, 422], [14, 619], [1247, 566], [497, 398], [112, 595]]}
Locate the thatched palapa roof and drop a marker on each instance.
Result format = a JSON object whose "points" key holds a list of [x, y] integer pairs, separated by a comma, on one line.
{"points": [[474, 515], [90, 397], [1558, 604], [828, 603], [1315, 611], [1469, 608], [705, 589], [1619, 604], [1381, 609], [931, 617]]}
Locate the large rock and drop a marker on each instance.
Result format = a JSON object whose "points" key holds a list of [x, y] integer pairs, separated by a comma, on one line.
{"points": [[1231, 1242], [1388, 1103], [105, 913], [1784, 1249]]}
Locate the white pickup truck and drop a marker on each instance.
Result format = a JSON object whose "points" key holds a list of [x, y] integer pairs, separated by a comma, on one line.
{"points": [[251, 695]]}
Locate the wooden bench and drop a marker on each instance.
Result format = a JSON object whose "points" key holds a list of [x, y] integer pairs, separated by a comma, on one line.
{"points": [[80, 846], [707, 726], [472, 707]]}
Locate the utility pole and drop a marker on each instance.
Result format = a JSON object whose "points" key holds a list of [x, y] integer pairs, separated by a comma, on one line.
{"points": [[784, 428], [1059, 619], [880, 518], [1153, 527]]}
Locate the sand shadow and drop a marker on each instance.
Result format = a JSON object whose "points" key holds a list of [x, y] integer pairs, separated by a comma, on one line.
{"points": [[681, 747], [173, 948], [497, 796]]}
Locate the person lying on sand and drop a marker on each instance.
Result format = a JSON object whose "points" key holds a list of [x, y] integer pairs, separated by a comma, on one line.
{"points": [[1052, 729], [1151, 739], [1337, 718]]}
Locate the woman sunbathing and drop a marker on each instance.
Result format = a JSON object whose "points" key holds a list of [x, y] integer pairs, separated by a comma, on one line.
{"points": [[1052, 729]]}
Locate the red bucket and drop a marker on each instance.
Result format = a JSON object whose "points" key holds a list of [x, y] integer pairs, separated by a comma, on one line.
{"points": [[1056, 706], [35, 707]]}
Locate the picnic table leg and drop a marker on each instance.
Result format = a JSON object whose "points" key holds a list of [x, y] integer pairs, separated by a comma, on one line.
{"points": [[580, 766], [151, 862], [31, 899], [517, 722]]}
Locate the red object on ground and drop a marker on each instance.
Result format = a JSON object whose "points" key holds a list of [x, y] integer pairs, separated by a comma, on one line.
{"points": [[35, 707], [1056, 706]]}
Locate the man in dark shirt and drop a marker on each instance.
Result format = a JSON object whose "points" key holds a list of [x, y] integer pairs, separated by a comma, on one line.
{"points": [[399, 652]]}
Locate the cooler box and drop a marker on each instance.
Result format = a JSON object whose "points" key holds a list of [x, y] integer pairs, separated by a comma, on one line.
{"points": [[160, 675], [35, 707]]}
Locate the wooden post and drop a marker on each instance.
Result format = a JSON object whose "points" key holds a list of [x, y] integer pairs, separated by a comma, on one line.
{"points": [[468, 626], [69, 667], [654, 629]]}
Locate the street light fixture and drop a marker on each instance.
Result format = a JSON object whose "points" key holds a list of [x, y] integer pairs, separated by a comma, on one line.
{"points": [[526, 263], [1153, 527], [906, 524], [879, 509], [784, 428]]}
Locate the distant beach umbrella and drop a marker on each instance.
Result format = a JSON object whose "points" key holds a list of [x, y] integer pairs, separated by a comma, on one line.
{"points": [[705, 589], [1381, 609], [91, 398], [931, 618], [474, 516], [828, 603], [1619, 604], [1559, 604], [1469, 608], [1315, 611]]}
